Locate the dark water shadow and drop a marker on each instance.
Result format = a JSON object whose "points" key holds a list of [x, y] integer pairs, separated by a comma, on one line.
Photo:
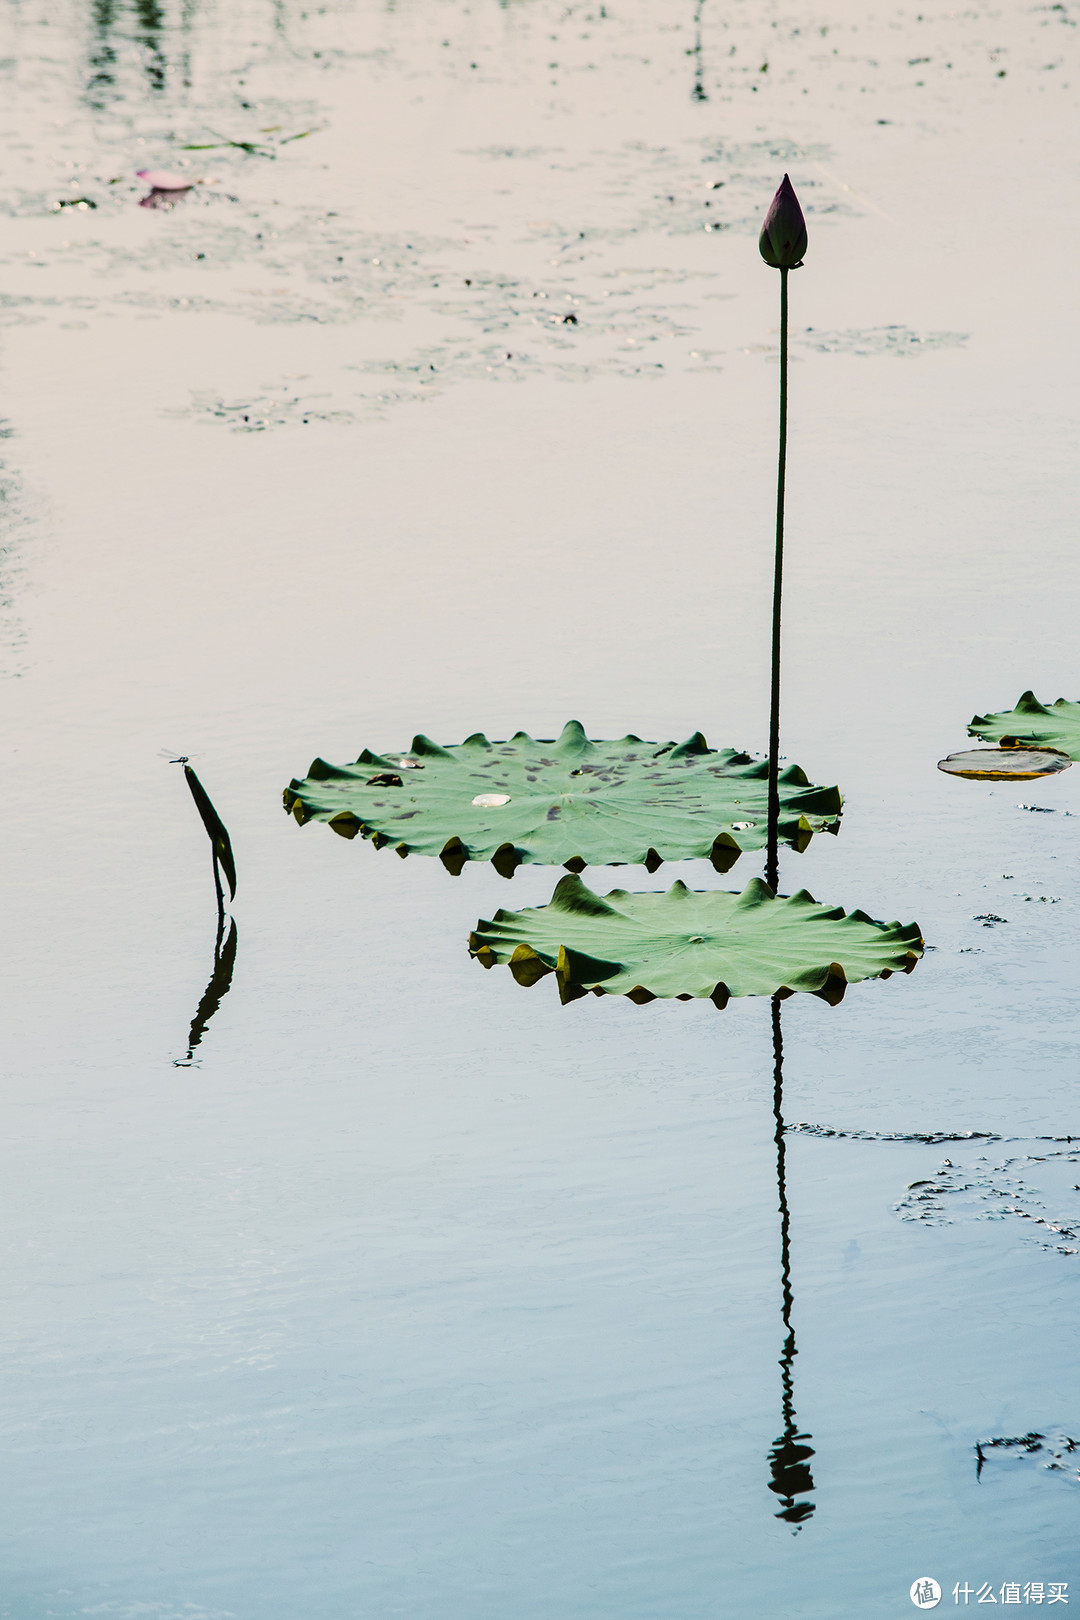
{"points": [[216, 991], [789, 1459]]}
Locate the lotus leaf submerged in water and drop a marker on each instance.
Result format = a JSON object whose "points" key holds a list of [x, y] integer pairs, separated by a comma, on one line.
{"points": [[1004, 764], [571, 802], [1032, 725], [688, 943]]}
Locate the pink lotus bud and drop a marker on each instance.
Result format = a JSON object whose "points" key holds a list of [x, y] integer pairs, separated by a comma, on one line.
{"points": [[783, 236]]}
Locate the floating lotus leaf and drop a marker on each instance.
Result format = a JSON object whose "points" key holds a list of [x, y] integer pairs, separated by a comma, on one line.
{"points": [[572, 802], [1030, 725], [688, 943], [1004, 764]]}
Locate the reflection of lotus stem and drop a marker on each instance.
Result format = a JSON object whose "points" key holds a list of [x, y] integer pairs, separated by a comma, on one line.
{"points": [[216, 990], [789, 1459], [772, 865]]}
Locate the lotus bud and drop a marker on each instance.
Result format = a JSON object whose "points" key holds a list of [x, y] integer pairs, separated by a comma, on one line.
{"points": [[783, 236]]}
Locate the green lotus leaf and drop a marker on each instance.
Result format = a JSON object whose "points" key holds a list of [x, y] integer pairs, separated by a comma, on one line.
{"points": [[1031, 725], [571, 802], [689, 943]]}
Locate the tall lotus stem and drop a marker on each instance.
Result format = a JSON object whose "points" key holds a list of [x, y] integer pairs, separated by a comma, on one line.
{"points": [[782, 245]]}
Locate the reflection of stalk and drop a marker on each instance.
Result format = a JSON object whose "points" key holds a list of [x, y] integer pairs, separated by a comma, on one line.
{"points": [[698, 92], [772, 862], [152, 22], [216, 990], [790, 1456], [103, 55]]}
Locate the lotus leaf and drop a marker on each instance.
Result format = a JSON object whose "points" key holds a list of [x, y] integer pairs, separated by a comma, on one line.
{"points": [[1031, 725], [1005, 764], [689, 943], [573, 801]]}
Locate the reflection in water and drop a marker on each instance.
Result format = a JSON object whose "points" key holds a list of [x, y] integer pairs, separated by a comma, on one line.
{"points": [[216, 990], [102, 73], [698, 93], [789, 1459], [150, 24], [110, 22]]}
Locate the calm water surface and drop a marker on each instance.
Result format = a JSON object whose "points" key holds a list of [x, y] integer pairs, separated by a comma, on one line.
{"points": [[390, 1288]]}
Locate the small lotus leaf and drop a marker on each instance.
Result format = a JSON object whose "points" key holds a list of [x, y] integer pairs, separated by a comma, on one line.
{"points": [[571, 802], [689, 943], [1004, 764], [1031, 725]]}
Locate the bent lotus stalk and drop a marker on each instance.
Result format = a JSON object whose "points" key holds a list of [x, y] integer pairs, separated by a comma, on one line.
{"points": [[220, 844], [782, 245]]}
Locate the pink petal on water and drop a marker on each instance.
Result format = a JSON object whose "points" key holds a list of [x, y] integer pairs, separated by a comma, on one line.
{"points": [[165, 179]]}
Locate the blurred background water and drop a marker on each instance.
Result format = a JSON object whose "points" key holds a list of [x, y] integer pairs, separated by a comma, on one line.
{"points": [[444, 400]]}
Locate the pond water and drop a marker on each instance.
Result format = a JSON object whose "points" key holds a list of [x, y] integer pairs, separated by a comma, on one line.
{"points": [[393, 1288]]}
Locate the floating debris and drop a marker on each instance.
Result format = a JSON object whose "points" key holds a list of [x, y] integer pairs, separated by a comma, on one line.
{"points": [[1055, 1452], [881, 340], [1002, 1192], [923, 1138], [261, 412]]}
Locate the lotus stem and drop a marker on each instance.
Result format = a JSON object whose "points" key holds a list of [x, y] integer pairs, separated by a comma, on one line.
{"points": [[772, 858]]}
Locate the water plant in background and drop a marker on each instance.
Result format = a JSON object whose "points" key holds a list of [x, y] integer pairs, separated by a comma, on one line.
{"points": [[693, 943], [782, 245], [569, 801]]}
